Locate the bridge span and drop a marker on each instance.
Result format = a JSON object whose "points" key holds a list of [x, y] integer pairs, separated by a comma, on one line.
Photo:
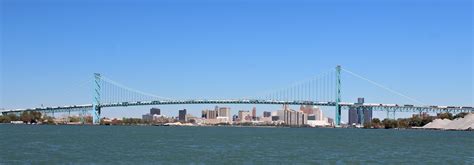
{"points": [[108, 93], [344, 105]]}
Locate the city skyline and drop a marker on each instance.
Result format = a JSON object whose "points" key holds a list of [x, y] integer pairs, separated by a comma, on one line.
{"points": [[236, 82], [223, 58]]}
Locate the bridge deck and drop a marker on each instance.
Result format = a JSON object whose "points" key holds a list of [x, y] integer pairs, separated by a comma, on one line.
{"points": [[377, 107]]}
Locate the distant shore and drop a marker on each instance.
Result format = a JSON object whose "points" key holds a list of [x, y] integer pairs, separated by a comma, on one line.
{"points": [[246, 126]]}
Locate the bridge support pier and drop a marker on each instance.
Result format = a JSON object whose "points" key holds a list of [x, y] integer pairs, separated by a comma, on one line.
{"points": [[96, 100]]}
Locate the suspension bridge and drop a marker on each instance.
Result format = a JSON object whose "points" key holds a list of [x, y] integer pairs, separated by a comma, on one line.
{"points": [[323, 90]]}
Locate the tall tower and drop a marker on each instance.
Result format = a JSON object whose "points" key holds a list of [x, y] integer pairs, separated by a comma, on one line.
{"points": [[96, 99], [338, 95]]}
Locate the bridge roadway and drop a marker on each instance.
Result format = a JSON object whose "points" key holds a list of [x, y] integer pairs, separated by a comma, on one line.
{"points": [[379, 107]]}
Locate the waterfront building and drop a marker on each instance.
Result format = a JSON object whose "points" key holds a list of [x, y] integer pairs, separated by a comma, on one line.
{"points": [[267, 114], [353, 116], [212, 114], [182, 115], [312, 110], [155, 111], [318, 113], [223, 114], [254, 113], [209, 114], [319, 123], [147, 117], [245, 116], [308, 109], [294, 118], [276, 118], [204, 114], [190, 118], [265, 119], [359, 115]]}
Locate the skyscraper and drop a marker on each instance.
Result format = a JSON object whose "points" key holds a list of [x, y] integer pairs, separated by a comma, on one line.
{"points": [[353, 116], [155, 111], [204, 114], [182, 115], [211, 114], [359, 115], [267, 114], [245, 116], [294, 118], [223, 114], [254, 113], [308, 109]]}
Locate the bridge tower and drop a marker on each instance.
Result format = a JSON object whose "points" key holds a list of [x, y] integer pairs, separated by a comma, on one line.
{"points": [[338, 96], [96, 99]]}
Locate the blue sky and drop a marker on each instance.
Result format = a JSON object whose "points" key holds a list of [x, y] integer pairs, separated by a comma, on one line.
{"points": [[233, 49]]}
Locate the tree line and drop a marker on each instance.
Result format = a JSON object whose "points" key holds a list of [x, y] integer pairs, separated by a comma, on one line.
{"points": [[414, 121]]}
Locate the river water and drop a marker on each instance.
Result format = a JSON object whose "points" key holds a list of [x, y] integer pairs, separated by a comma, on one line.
{"points": [[41, 144]]}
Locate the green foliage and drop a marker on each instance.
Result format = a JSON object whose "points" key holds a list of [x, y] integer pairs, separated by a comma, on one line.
{"points": [[460, 115], [4, 119], [376, 123], [8, 118], [48, 120], [30, 116], [74, 119], [132, 121], [390, 123], [446, 116]]}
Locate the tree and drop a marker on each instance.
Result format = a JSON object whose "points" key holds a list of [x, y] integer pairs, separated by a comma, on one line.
{"points": [[8, 118], [390, 123], [403, 123], [35, 116], [26, 117], [13, 117], [48, 120], [415, 121], [74, 119], [446, 115], [376, 123], [460, 115], [4, 119]]}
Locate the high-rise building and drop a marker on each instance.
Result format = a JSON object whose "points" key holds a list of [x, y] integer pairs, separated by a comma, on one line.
{"points": [[294, 118], [359, 115], [368, 115], [204, 114], [245, 116], [318, 113], [267, 114], [312, 110], [223, 112], [254, 113], [281, 115], [223, 115], [182, 115], [155, 111], [275, 118], [212, 114], [308, 109], [353, 116]]}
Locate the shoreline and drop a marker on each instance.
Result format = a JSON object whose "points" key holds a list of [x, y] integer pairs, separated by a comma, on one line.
{"points": [[239, 126]]}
